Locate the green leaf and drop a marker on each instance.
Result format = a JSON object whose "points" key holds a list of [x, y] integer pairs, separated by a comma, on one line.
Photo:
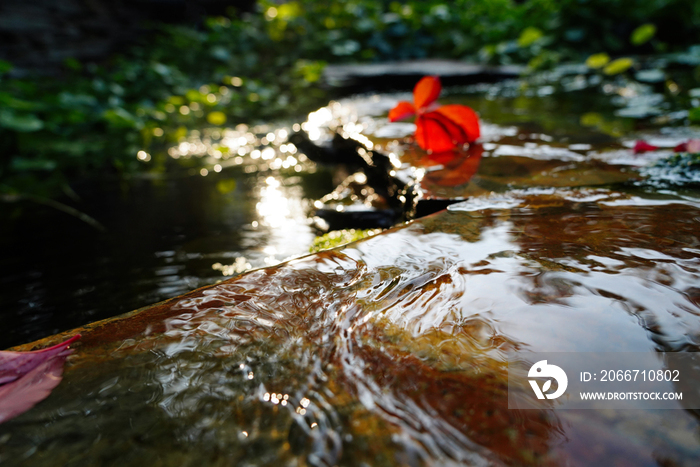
{"points": [[22, 164], [73, 64], [226, 186], [5, 66], [21, 123], [176, 100], [618, 66], [340, 237], [642, 34], [216, 118], [289, 11], [6, 100], [694, 114], [529, 36], [597, 60], [120, 118], [311, 71], [591, 119], [193, 95]]}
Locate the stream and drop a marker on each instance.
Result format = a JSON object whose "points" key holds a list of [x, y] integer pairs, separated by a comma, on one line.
{"points": [[389, 351]]}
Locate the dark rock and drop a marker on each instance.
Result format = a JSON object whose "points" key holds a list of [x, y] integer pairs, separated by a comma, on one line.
{"points": [[403, 75]]}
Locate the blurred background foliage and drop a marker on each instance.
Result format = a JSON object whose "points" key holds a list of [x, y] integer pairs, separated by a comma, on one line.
{"points": [[109, 117]]}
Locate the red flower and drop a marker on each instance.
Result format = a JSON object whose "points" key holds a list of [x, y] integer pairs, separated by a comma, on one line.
{"points": [[438, 129]]}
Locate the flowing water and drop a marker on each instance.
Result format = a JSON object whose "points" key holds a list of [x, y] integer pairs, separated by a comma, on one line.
{"points": [[393, 350]]}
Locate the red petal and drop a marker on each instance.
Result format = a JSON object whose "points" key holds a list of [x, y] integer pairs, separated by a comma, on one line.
{"points": [[465, 118], [680, 148], [426, 91], [643, 146], [437, 133], [402, 110]]}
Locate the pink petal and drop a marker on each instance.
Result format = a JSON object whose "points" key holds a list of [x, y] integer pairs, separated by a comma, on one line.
{"points": [[24, 393], [14, 365], [693, 145]]}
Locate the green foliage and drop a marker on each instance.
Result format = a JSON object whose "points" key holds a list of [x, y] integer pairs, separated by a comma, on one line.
{"points": [[685, 162], [267, 65]]}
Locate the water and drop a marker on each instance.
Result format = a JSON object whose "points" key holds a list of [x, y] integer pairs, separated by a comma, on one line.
{"points": [[162, 239], [393, 350], [166, 232]]}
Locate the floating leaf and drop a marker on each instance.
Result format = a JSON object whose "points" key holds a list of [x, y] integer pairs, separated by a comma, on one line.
{"points": [[618, 66], [598, 60], [642, 34]]}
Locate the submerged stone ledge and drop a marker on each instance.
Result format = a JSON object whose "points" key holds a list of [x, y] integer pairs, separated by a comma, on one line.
{"points": [[394, 348]]}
